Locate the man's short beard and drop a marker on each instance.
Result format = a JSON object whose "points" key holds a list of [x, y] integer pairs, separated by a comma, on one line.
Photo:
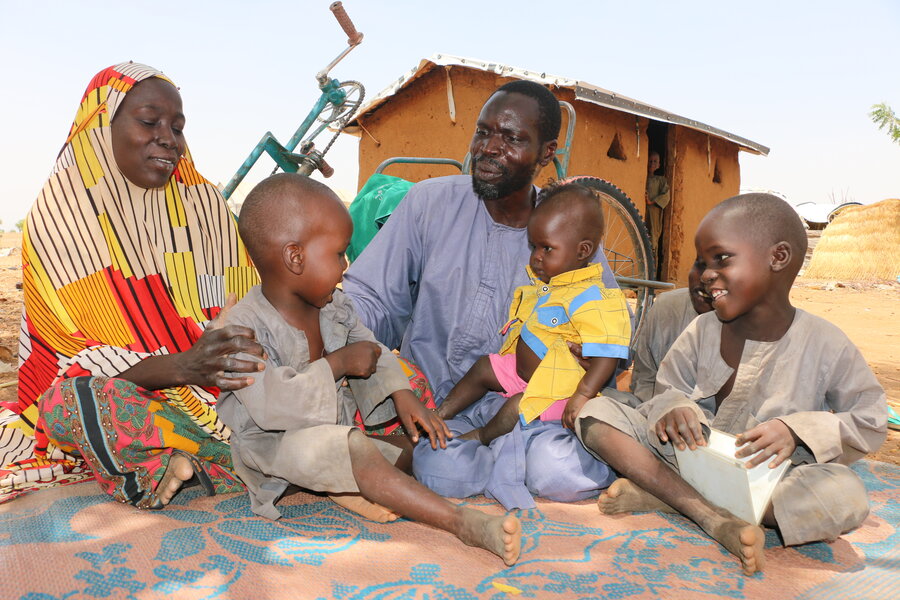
{"points": [[509, 183]]}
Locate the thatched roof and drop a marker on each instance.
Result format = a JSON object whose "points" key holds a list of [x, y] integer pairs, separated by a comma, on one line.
{"points": [[861, 243]]}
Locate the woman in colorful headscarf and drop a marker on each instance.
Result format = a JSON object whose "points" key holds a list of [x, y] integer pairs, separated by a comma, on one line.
{"points": [[128, 255]]}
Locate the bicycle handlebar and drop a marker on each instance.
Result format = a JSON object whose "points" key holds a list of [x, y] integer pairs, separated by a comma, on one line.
{"points": [[354, 37]]}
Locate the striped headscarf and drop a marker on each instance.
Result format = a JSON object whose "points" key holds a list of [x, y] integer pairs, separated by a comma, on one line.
{"points": [[113, 273]]}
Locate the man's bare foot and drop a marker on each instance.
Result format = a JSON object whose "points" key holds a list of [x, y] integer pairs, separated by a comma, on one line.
{"points": [[500, 535], [744, 540], [177, 472], [364, 508], [624, 496]]}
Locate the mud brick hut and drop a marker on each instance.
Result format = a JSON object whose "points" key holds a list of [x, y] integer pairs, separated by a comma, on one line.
{"points": [[431, 112]]}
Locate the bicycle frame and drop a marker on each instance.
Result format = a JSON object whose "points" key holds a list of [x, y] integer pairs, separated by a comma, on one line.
{"points": [[307, 160], [284, 156]]}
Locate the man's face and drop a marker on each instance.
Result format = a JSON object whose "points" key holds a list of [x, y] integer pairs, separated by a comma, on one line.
{"points": [[653, 163], [506, 148]]}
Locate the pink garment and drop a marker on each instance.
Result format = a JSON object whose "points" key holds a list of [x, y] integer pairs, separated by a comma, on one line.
{"points": [[504, 366]]}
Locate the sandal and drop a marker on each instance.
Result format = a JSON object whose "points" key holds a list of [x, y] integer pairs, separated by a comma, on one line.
{"points": [[200, 477], [893, 419]]}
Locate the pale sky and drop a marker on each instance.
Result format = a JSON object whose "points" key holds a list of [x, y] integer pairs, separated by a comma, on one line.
{"points": [[798, 77]]}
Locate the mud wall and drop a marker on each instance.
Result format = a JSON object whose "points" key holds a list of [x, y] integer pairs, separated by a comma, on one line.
{"points": [[703, 171], [417, 121]]}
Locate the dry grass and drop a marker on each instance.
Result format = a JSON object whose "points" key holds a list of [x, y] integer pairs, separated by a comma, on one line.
{"points": [[861, 244]]}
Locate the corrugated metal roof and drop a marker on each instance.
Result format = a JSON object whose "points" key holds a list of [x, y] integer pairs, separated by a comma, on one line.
{"points": [[583, 91]]}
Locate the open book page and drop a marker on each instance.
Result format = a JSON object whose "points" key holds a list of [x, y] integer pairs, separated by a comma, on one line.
{"points": [[721, 478]]}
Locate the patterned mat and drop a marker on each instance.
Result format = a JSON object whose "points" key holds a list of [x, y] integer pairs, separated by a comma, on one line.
{"points": [[73, 543]]}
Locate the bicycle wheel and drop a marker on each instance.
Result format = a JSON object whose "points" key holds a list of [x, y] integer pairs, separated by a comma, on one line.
{"points": [[626, 242]]}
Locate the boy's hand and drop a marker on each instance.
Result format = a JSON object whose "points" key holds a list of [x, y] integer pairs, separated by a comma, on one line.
{"points": [[681, 427], [772, 439], [358, 359], [413, 413], [573, 406]]}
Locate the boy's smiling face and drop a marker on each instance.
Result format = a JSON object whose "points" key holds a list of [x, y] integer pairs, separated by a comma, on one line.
{"points": [[737, 273]]}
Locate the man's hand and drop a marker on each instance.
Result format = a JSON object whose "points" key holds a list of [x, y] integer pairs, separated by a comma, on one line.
{"points": [[575, 349], [413, 414], [681, 427], [772, 439]]}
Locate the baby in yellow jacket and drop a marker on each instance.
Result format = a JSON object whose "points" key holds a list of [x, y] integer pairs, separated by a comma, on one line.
{"points": [[566, 302]]}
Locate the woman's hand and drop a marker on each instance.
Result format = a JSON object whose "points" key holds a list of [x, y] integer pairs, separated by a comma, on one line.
{"points": [[212, 355], [772, 439], [206, 362], [681, 427], [359, 359], [413, 413]]}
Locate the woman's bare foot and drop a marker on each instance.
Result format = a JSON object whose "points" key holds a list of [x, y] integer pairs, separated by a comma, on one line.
{"points": [[744, 540], [364, 508], [500, 535], [177, 472], [623, 496]]}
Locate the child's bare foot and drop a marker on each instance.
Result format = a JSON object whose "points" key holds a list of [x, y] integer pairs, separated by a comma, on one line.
{"points": [[500, 535], [624, 496], [744, 540], [177, 472], [364, 508]]}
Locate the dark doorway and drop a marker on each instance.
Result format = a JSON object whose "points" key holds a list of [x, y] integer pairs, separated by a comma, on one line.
{"points": [[658, 137]]}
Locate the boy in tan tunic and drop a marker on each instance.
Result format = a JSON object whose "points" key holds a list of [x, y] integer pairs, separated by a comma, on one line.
{"points": [[790, 385], [294, 423]]}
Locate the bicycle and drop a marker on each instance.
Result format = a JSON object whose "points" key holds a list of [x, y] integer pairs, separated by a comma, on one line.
{"points": [[337, 104], [626, 239]]}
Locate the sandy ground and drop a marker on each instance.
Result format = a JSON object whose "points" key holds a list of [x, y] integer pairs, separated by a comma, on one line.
{"points": [[869, 313]]}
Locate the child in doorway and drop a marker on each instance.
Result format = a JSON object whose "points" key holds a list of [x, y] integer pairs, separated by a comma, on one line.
{"points": [[790, 385], [294, 424], [566, 302]]}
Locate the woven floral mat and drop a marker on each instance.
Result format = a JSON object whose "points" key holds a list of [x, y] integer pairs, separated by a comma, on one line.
{"points": [[72, 543]]}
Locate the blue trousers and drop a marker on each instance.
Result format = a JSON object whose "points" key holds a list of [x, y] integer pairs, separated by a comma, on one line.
{"points": [[541, 459]]}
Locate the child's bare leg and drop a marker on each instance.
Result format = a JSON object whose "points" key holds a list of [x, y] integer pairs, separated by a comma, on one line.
{"points": [[501, 424], [477, 381], [648, 478], [382, 483], [624, 496], [371, 511], [404, 461]]}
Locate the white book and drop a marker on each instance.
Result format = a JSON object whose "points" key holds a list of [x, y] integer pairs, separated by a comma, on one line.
{"points": [[724, 480]]}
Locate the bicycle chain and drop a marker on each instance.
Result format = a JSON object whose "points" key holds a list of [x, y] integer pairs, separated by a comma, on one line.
{"points": [[343, 122]]}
